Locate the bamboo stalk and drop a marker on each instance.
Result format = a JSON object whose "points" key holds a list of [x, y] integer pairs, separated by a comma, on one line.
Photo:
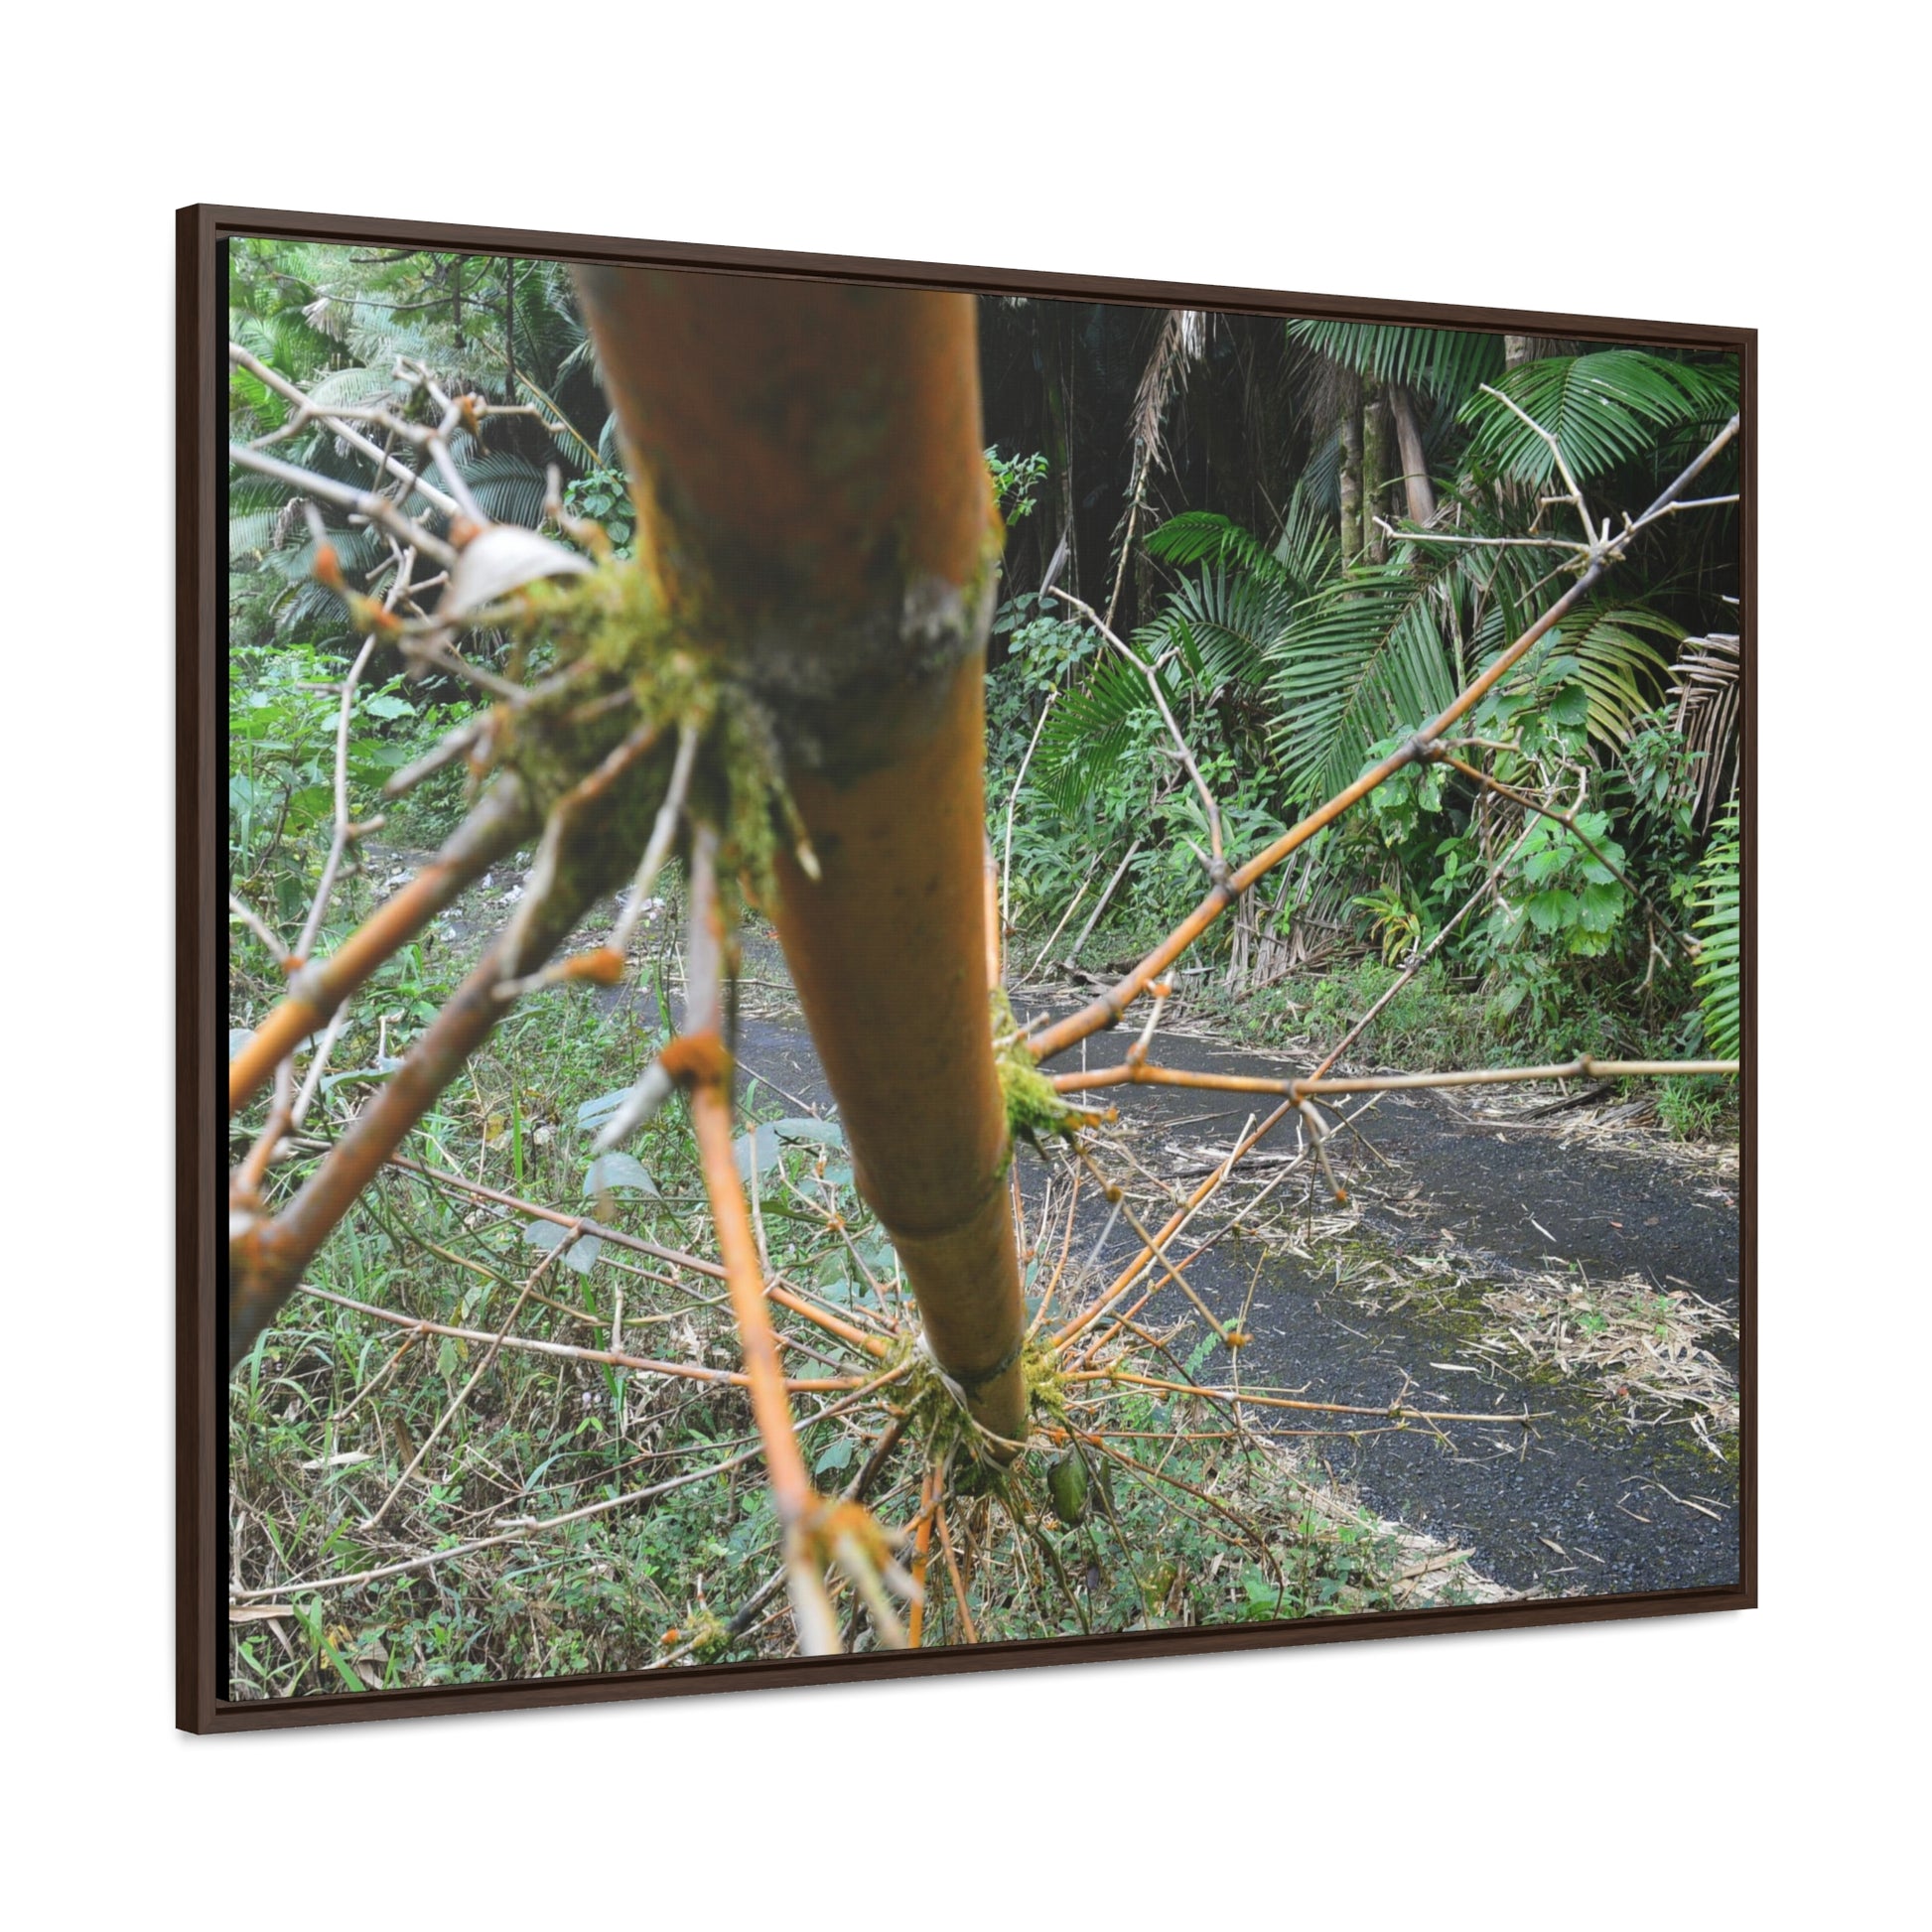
{"points": [[812, 493]]}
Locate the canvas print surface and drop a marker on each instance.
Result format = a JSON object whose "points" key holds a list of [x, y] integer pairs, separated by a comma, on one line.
{"points": [[911, 969]]}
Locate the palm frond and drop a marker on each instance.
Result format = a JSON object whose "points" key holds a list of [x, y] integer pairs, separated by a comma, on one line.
{"points": [[356, 387], [1223, 624], [1709, 688], [1602, 409], [1356, 661], [1092, 729], [1309, 549], [1447, 363], [572, 445], [1617, 664], [508, 487], [1179, 343], [1207, 536]]}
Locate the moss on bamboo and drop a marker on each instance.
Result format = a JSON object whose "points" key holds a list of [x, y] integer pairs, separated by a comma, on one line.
{"points": [[636, 667], [1035, 1109]]}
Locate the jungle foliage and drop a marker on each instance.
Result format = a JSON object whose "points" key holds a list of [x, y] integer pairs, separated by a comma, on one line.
{"points": [[1300, 644], [1242, 495], [1250, 503]]}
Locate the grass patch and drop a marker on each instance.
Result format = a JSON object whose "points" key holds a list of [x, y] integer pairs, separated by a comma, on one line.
{"points": [[567, 1515]]}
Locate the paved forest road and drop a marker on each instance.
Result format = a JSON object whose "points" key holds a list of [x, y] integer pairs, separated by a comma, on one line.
{"points": [[1456, 1204], [1585, 1499]]}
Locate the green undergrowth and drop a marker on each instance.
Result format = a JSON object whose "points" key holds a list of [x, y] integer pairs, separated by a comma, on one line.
{"points": [[333, 1404]]}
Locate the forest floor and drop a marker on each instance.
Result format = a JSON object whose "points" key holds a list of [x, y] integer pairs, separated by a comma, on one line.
{"points": [[1570, 1272], [1495, 1253], [1491, 1256]]}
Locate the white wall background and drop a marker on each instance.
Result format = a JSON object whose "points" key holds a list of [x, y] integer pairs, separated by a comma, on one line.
{"points": [[1690, 161]]}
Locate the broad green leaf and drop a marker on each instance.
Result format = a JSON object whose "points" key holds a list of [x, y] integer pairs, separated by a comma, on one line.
{"points": [[760, 1145], [1551, 912], [594, 1113], [547, 1235], [1602, 907], [618, 1171]]}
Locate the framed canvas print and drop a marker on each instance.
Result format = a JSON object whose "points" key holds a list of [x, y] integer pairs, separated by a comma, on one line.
{"points": [[889, 968]]}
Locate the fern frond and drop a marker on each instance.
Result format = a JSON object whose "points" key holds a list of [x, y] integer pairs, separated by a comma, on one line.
{"points": [[1720, 940]]}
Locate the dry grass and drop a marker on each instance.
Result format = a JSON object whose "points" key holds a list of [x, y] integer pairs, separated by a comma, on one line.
{"points": [[1642, 1348]]}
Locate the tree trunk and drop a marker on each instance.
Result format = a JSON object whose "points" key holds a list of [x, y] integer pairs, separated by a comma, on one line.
{"points": [[1415, 470], [1058, 497], [1351, 470], [1375, 471], [812, 497]]}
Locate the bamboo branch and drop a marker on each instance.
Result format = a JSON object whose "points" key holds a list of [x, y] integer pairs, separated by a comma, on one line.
{"points": [[339, 833], [263, 931], [531, 1526], [573, 868], [1140, 1074], [365, 503], [1175, 1223], [711, 1120], [338, 424], [1013, 801], [501, 822], [600, 1357], [1394, 1411]]}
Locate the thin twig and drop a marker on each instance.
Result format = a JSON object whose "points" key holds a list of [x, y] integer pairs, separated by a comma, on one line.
{"points": [[1219, 867]]}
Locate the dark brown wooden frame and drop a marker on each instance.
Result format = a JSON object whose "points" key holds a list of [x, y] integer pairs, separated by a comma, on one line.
{"points": [[199, 1371]]}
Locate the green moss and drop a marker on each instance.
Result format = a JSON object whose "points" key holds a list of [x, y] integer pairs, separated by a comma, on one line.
{"points": [[635, 666], [1035, 1109]]}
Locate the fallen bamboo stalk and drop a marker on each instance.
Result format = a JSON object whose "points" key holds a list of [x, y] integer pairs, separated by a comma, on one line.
{"points": [[1140, 1074]]}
